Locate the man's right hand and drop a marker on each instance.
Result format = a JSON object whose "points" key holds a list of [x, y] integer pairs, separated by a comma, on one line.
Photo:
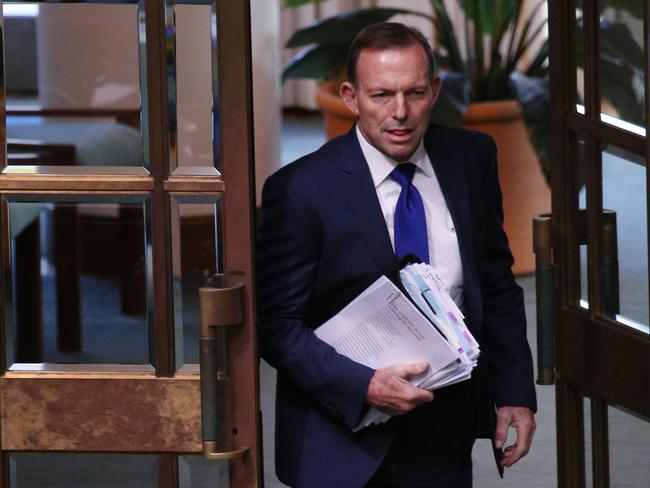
{"points": [[390, 391]]}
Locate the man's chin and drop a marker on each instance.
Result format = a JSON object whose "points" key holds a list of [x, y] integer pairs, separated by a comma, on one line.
{"points": [[401, 154]]}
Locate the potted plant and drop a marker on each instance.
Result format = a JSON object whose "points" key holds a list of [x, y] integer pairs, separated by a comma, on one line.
{"points": [[499, 86]]}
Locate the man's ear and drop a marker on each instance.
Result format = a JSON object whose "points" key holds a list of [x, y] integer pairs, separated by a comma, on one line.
{"points": [[436, 85], [349, 96]]}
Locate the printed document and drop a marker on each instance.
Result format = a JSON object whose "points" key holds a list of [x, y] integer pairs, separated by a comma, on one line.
{"points": [[382, 327]]}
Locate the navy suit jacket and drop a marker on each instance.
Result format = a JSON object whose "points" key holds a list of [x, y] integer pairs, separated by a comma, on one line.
{"points": [[322, 240]]}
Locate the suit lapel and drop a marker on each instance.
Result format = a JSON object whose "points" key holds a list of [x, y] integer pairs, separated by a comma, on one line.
{"points": [[355, 182], [454, 188]]}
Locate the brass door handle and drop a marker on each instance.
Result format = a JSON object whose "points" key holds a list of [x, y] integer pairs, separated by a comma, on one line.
{"points": [[220, 310], [545, 279]]}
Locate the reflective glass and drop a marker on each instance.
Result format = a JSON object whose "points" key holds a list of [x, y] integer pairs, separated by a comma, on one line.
{"points": [[584, 284], [75, 470], [579, 225], [624, 279], [73, 84], [196, 259], [629, 445], [621, 64], [580, 53], [198, 472], [193, 91], [78, 281]]}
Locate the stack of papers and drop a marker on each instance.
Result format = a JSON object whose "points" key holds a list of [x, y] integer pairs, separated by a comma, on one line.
{"points": [[382, 327]]}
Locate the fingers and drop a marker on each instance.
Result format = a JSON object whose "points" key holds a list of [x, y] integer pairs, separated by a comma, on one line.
{"points": [[524, 422], [403, 402], [525, 429], [421, 396], [392, 393], [501, 432], [411, 369]]}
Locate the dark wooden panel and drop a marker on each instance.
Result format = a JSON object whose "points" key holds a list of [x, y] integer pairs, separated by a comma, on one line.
{"points": [[99, 413], [600, 442], [605, 359], [607, 134], [570, 436], [158, 118], [168, 471], [235, 85]]}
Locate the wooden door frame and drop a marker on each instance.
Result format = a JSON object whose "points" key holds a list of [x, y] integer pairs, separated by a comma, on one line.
{"points": [[236, 189], [236, 96], [584, 337]]}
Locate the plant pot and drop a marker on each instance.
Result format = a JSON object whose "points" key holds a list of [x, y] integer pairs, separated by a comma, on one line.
{"points": [[525, 191]]}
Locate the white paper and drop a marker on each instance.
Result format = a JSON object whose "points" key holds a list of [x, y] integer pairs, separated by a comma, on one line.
{"points": [[381, 327]]}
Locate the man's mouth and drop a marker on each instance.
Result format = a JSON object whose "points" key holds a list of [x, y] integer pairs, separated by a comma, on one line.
{"points": [[399, 133]]}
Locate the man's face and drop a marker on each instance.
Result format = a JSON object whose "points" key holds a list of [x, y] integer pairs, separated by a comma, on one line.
{"points": [[392, 98]]}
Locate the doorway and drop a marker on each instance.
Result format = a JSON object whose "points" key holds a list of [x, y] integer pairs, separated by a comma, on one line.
{"points": [[122, 193]]}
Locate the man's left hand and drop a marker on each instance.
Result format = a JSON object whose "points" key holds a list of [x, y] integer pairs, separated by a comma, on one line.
{"points": [[523, 420]]}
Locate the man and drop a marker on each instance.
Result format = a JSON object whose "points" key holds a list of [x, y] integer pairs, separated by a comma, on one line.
{"points": [[332, 223]]}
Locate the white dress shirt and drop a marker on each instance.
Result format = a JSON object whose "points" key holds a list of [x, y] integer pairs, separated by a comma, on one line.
{"points": [[444, 254]]}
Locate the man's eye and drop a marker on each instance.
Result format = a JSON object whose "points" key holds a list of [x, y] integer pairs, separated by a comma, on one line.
{"points": [[380, 95]]}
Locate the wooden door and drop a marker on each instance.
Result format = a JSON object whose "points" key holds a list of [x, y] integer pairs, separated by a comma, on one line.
{"points": [[599, 134], [123, 192]]}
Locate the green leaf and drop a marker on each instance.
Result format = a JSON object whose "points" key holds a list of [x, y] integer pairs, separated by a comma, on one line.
{"points": [[479, 57], [514, 35], [524, 39], [525, 44], [486, 15], [534, 97], [317, 62], [446, 37], [342, 27], [298, 3], [453, 100], [496, 83]]}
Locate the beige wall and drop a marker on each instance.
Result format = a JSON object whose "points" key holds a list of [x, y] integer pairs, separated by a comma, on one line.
{"points": [[265, 38], [86, 63]]}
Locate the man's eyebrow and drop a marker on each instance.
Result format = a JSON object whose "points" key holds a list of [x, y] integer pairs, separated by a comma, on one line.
{"points": [[422, 86]]}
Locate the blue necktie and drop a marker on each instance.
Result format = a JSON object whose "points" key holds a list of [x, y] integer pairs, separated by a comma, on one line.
{"points": [[410, 222]]}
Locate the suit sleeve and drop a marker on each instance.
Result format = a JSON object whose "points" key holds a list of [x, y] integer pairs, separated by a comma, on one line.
{"points": [[507, 351], [287, 265]]}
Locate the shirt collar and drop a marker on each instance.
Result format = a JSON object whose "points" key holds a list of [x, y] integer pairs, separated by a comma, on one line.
{"points": [[381, 165]]}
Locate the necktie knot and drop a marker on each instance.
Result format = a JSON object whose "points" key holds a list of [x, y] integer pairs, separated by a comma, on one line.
{"points": [[403, 173]]}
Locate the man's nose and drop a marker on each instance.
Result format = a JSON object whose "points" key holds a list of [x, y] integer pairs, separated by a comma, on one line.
{"points": [[400, 110]]}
